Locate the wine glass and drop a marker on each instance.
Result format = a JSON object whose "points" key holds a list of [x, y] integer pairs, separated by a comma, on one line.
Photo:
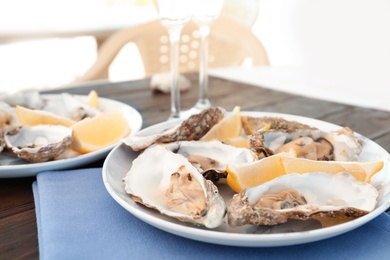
{"points": [[174, 14], [203, 12]]}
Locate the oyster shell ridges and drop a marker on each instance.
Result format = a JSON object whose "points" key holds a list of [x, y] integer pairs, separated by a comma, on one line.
{"points": [[326, 195], [148, 182]]}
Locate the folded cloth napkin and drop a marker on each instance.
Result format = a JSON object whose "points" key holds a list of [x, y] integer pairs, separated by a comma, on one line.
{"points": [[78, 219]]}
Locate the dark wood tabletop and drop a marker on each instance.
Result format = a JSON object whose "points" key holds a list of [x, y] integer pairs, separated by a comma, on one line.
{"points": [[18, 229]]}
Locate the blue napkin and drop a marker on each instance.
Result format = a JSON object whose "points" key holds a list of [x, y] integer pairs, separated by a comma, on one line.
{"points": [[78, 219]]}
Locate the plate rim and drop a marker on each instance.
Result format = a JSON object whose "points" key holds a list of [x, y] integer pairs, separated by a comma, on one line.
{"points": [[32, 169], [242, 239]]}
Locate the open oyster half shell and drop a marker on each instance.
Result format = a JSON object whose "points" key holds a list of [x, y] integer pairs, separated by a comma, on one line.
{"points": [[211, 157], [340, 145], [38, 143], [190, 129], [302, 196], [169, 183]]}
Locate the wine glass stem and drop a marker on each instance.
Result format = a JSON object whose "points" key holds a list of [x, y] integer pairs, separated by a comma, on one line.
{"points": [[174, 38], [203, 102]]}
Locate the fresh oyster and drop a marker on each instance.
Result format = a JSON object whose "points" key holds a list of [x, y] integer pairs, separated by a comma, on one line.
{"points": [[5, 118], [169, 183], [302, 196], [8, 120], [69, 106], [38, 143], [5, 114], [65, 104], [27, 98], [190, 129], [211, 157], [2, 142], [269, 142], [340, 145], [346, 145]]}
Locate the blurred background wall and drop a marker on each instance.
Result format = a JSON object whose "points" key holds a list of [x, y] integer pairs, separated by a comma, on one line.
{"points": [[334, 35], [326, 37]]}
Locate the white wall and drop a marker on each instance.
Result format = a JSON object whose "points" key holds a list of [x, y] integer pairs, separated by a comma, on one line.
{"points": [[341, 36], [344, 40]]}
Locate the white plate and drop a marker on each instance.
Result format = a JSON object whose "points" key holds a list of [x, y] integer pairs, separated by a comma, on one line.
{"points": [[118, 163], [12, 167]]}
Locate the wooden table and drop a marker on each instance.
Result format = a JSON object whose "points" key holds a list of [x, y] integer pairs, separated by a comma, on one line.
{"points": [[18, 229]]}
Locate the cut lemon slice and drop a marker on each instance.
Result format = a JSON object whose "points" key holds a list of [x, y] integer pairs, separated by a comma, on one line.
{"points": [[31, 117], [103, 130], [93, 99], [238, 141], [243, 141], [229, 127], [361, 171], [241, 176]]}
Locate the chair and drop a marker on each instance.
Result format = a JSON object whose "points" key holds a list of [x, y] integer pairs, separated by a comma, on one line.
{"points": [[245, 12], [230, 44]]}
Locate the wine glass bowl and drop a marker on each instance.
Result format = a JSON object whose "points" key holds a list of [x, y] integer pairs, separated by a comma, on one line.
{"points": [[174, 14], [203, 12]]}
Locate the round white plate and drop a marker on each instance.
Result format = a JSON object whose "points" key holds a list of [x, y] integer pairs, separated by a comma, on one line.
{"points": [[13, 167], [119, 161]]}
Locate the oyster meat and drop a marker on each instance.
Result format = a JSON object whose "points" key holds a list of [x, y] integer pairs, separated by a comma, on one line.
{"points": [[173, 186], [38, 143], [302, 196], [190, 129], [211, 157]]}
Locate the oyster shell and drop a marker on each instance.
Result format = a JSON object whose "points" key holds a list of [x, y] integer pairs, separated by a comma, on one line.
{"points": [[5, 118], [38, 143], [340, 145], [190, 129], [8, 120], [302, 196], [347, 147], [174, 187], [27, 98], [252, 124], [5, 114], [2, 142], [211, 157], [69, 106], [8, 117]]}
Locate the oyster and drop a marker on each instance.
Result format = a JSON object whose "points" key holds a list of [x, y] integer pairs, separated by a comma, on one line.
{"points": [[190, 129], [2, 143], [38, 143], [69, 106], [302, 196], [173, 186], [211, 157], [8, 117], [340, 145], [5, 118], [8, 120], [27, 98], [5, 114], [347, 147]]}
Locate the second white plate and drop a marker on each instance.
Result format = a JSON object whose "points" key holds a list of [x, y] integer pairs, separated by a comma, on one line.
{"points": [[119, 161], [12, 167]]}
